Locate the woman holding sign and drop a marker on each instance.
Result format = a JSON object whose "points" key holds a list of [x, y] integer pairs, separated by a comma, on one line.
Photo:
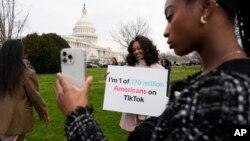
{"points": [[142, 53], [213, 102]]}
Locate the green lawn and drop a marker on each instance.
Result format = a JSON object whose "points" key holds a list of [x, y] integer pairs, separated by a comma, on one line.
{"points": [[109, 121]]}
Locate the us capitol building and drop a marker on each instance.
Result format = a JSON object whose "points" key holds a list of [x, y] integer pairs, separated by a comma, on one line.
{"points": [[84, 36]]}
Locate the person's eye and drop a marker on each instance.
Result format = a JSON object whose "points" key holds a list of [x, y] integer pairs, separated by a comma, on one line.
{"points": [[169, 17]]}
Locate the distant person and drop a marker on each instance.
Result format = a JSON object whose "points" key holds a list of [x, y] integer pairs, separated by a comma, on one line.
{"points": [[166, 63], [141, 53], [19, 93], [114, 61]]}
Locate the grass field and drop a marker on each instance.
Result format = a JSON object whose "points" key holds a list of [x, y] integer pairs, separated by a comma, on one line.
{"points": [[109, 121]]}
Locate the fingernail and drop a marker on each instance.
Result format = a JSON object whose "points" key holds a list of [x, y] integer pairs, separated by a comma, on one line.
{"points": [[90, 79], [58, 74]]}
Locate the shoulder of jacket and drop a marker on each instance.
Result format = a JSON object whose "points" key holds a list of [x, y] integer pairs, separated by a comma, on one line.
{"points": [[29, 72], [156, 65]]}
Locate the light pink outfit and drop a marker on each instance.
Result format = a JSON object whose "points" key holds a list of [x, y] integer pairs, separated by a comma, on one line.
{"points": [[129, 121]]}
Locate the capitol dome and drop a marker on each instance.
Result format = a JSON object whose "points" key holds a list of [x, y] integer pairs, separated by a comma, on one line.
{"points": [[84, 28]]}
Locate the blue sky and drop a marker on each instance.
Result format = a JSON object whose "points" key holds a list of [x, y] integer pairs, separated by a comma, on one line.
{"points": [[60, 16]]}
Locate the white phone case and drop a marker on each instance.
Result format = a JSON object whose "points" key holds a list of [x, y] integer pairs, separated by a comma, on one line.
{"points": [[73, 65]]}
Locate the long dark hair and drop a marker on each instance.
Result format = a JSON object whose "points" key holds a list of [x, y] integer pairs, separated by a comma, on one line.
{"points": [[151, 54], [114, 63], [11, 66], [238, 14]]}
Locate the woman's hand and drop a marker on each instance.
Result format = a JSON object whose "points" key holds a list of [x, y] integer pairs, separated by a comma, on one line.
{"points": [[47, 119], [69, 97], [105, 75]]}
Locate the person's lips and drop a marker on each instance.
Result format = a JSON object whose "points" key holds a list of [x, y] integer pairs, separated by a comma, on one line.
{"points": [[170, 44], [138, 56]]}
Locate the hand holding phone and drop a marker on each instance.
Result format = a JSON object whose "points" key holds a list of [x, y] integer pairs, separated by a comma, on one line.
{"points": [[73, 65]]}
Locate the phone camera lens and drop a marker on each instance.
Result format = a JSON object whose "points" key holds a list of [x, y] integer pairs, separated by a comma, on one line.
{"points": [[64, 53], [64, 60], [70, 57]]}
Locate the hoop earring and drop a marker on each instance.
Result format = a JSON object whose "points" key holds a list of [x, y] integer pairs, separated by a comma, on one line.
{"points": [[203, 20], [216, 2]]}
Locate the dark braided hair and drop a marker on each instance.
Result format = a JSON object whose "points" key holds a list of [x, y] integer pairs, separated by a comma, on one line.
{"points": [[239, 15], [237, 11]]}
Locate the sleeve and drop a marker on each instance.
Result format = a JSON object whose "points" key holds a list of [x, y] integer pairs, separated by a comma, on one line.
{"points": [[144, 131], [205, 111], [32, 91], [81, 125]]}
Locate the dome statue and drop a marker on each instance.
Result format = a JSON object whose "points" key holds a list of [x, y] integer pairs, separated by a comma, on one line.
{"points": [[84, 28]]}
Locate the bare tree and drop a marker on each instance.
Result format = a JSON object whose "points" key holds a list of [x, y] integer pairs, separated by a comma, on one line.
{"points": [[127, 31], [11, 22]]}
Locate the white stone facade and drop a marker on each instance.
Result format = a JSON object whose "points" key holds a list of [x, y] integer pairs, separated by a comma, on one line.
{"points": [[84, 36]]}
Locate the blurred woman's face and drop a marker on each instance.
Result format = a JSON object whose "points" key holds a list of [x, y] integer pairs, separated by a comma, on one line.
{"points": [[183, 30], [113, 60], [137, 51]]}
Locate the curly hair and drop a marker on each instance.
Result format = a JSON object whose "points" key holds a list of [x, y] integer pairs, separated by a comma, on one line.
{"points": [[151, 54]]}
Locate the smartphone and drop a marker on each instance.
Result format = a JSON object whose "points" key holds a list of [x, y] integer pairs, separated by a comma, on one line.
{"points": [[73, 65]]}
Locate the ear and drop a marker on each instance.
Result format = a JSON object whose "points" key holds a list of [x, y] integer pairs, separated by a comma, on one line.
{"points": [[207, 7]]}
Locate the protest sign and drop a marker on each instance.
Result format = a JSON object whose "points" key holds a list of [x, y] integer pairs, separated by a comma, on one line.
{"points": [[136, 90]]}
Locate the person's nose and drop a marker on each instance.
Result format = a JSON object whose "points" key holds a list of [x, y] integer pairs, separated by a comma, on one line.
{"points": [[136, 51], [166, 31]]}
